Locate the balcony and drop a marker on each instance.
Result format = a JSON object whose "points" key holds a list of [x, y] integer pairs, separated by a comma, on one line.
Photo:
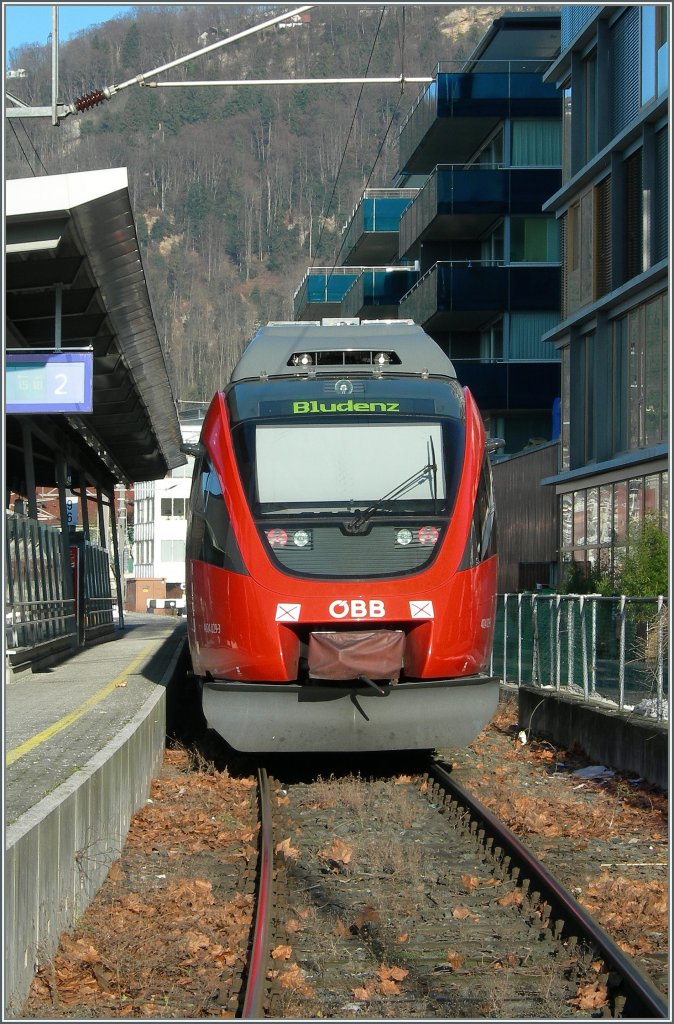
{"points": [[377, 292], [372, 293], [502, 387], [322, 290], [464, 202], [370, 237], [475, 103], [466, 295]]}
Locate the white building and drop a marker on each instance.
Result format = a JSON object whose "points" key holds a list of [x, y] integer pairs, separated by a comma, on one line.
{"points": [[160, 525]]}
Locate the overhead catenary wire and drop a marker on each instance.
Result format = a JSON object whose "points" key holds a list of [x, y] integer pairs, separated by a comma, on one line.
{"points": [[32, 146], [25, 155], [346, 144], [401, 46]]}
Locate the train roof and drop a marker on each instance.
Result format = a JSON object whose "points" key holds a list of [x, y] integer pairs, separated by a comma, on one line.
{"points": [[395, 347]]}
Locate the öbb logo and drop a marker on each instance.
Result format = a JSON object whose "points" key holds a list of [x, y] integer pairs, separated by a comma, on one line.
{"points": [[357, 609]]}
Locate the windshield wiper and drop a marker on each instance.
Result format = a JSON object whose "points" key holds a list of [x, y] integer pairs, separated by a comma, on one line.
{"points": [[427, 472]]}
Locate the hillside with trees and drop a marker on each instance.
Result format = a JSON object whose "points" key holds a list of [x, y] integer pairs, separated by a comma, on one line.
{"points": [[236, 190]]}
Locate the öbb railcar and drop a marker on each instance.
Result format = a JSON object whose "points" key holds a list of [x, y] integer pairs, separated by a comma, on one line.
{"points": [[341, 547]]}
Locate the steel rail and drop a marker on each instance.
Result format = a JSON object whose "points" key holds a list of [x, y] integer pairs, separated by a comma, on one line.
{"points": [[259, 954], [642, 998]]}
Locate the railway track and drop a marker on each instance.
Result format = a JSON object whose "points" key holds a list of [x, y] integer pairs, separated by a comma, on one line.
{"points": [[446, 916]]}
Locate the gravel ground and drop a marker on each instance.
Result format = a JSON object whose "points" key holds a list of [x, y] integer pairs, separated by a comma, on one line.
{"points": [[169, 927]]}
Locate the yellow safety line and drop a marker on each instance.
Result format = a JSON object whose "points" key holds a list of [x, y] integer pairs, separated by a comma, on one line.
{"points": [[24, 748]]}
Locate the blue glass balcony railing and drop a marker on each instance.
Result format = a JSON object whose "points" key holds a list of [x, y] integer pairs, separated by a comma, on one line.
{"points": [[323, 288], [378, 213], [352, 291], [481, 289], [482, 193], [486, 97], [377, 292]]}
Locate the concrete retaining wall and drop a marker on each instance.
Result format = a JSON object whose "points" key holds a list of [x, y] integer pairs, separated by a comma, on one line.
{"points": [[617, 739], [58, 854]]}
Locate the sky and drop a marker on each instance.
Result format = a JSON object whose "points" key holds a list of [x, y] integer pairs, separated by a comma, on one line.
{"points": [[31, 23]]}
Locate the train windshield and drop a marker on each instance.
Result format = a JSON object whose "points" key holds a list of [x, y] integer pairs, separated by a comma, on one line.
{"points": [[348, 463], [370, 455]]}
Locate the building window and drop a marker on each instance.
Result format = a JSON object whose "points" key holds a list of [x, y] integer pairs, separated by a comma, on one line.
{"points": [[566, 407], [492, 248], [646, 402], [603, 238], [173, 551], [491, 343], [599, 524], [534, 240], [590, 112], [174, 508], [654, 51], [620, 386], [635, 254], [579, 253], [566, 132], [589, 350], [536, 143], [492, 153]]}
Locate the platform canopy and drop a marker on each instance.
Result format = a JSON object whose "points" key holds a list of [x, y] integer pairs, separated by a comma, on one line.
{"points": [[75, 281]]}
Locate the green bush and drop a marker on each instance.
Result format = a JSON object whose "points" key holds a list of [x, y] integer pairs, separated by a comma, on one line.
{"points": [[645, 571]]}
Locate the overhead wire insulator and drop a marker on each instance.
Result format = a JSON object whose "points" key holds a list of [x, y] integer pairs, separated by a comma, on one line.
{"points": [[89, 100]]}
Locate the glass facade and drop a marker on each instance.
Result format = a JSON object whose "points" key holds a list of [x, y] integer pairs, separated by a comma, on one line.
{"points": [[598, 524], [536, 143], [534, 240]]}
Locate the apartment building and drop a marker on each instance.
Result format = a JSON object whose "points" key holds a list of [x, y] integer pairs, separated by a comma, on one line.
{"points": [[160, 528], [462, 245], [613, 335]]}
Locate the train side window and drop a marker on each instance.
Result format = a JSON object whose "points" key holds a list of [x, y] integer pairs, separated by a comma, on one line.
{"points": [[211, 538], [481, 542]]}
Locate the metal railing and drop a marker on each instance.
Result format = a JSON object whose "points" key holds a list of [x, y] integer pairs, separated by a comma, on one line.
{"points": [[609, 649], [97, 589], [36, 606]]}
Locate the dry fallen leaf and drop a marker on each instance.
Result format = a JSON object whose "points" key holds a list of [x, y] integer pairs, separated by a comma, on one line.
{"points": [[511, 899], [361, 993], [368, 915], [463, 914], [281, 952], [455, 958], [287, 849], [388, 988], [339, 852], [116, 873], [590, 996]]}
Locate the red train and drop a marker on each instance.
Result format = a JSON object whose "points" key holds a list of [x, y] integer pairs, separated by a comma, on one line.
{"points": [[341, 546]]}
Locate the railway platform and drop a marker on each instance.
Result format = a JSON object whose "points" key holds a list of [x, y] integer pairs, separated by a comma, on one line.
{"points": [[83, 740]]}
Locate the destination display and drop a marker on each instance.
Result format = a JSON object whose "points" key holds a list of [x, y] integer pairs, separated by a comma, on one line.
{"points": [[49, 382]]}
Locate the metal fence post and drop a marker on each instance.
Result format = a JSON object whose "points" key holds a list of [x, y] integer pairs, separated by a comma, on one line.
{"points": [[519, 640], [621, 662], [583, 646], [660, 665], [505, 637], [593, 684], [535, 654], [558, 652]]}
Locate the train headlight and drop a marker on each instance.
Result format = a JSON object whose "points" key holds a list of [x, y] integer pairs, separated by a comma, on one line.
{"points": [[302, 359], [382, 359], [428, 535], [403, 537], [277, 538], [301, 538]]}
